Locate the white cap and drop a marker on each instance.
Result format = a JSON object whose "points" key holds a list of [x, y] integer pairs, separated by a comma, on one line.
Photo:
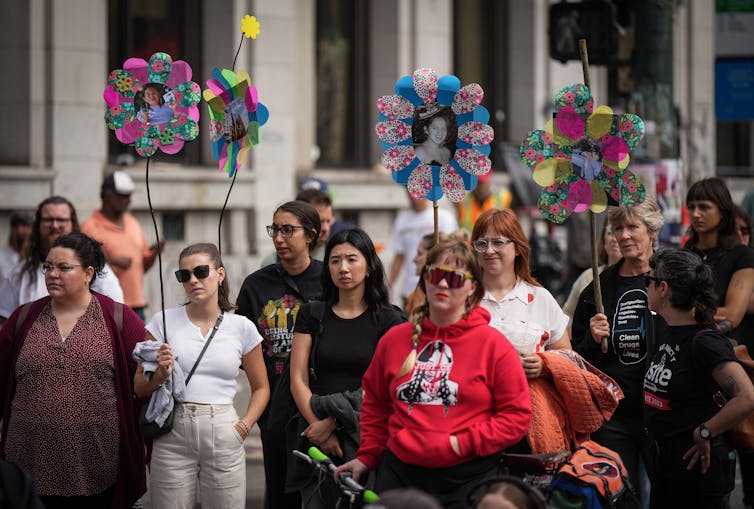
{"points": [[118, 182]]}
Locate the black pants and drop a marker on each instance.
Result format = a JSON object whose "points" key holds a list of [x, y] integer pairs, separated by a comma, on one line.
{"points": [[674, 486], [99, 501], [275, 465], [449, 485]]}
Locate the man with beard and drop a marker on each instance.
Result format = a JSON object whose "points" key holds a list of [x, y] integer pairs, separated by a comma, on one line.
{"points": [[55, 216]]}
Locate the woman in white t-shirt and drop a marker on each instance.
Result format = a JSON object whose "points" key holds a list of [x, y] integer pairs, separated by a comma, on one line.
{"points": [[525, 312], [206, 442]]}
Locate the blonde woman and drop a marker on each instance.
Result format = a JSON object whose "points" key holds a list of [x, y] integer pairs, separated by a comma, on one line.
{"points": [[445, 393]]}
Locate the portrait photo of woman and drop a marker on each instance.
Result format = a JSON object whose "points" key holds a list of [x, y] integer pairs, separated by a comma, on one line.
{"points": [[434, 134]]}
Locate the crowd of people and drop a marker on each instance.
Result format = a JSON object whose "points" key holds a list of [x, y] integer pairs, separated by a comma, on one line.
{"points": [[423, 396]]}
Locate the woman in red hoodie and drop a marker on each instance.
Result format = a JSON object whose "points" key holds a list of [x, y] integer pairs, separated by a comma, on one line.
{"points": [[445, 393]]}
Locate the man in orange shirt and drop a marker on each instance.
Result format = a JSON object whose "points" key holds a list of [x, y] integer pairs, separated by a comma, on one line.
{"points": [[122, 238]]}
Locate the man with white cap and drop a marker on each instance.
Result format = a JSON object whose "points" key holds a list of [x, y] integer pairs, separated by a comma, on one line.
{"points": [[123, 240]]}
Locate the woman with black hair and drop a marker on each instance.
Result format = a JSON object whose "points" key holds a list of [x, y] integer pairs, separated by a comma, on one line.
{"points": [[67, 409], [713, 236], [693, 463], [333, 344], [271, 298]]}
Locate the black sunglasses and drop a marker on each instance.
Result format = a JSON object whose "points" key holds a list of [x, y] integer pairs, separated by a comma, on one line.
{"points": [[648, 279], [184, 275]]}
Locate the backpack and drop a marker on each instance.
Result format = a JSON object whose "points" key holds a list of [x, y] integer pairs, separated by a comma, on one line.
{"points": [[592, 478]]}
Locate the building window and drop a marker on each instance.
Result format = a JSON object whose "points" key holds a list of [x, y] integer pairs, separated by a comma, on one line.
{"points": [[478, 41], [734, 148], [174, 226], [343, 105], [139, 28]]}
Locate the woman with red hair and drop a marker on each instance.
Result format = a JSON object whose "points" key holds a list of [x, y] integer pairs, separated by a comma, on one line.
{"points": [[525, 312]]}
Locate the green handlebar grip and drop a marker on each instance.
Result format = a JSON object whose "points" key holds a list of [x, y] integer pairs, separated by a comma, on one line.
{"points": [[370, 497], [316, 454]]}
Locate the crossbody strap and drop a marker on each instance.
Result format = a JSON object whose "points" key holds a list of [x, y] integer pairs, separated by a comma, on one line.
{"points": [[209, 339], [318, 312]]}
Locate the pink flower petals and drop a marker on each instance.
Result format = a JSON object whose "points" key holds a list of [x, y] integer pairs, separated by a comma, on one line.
{"points": [[395, 107], [468, 98]]}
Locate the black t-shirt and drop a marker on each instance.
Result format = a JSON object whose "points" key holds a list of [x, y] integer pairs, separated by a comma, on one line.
{"points": [[345, 348], [272, 303], [724, 263], [627, 310], [678, 386]]}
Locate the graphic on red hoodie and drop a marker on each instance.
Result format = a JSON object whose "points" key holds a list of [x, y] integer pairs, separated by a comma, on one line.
{"points": [[429, 383]]}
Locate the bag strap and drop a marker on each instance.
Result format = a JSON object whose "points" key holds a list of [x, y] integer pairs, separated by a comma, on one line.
{"points": [[201, 354], [318, 313]]}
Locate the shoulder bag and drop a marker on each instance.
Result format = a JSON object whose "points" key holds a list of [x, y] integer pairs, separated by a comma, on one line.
{"points": [[153, 430]]}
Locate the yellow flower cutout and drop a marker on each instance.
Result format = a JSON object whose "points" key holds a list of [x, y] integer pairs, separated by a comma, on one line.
{"points": [[250, 26]]}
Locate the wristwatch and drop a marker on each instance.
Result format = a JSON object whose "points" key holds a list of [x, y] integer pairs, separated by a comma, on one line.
{"points": [[704, 432]]}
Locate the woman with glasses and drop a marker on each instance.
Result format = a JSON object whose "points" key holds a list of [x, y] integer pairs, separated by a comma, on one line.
{"points": [[714, 237], [66, 372], [333, 344], [525, 312], [444, 393], [205, 446], [627, 328], [271, 298], [690, 375]]}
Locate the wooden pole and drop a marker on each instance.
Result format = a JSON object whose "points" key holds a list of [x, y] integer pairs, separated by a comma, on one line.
{"points": [[436, 208], [592, 218]]}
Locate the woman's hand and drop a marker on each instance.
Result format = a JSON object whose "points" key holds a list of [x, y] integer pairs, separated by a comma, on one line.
{"points": [[319, 431], [700, 452], [600, 327], [355, 467], [532, 365], [331, 446], [243, 428], [165, 363]]}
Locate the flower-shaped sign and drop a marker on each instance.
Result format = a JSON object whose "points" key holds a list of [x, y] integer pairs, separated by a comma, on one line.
{"points": [[434, 134], [153, 104], [581, 157], [235, 117]]}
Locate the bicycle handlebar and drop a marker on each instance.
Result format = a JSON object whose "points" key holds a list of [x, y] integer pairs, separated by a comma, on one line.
{"points": [[319, 460]]}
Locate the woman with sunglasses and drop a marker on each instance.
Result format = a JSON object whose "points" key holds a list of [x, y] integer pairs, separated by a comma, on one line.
{"points": [[66, 372], [445, 393], [205, 446], [693, 370], [525, 312], [714, 237], [271, 298], [333, 344], [628, 328]]}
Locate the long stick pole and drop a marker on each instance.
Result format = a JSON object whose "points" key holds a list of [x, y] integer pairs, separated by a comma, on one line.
{"points": [[592, 218], [436, 206]]}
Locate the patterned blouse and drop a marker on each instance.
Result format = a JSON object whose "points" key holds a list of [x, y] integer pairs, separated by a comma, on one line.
{"points": [[64, 426]]}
